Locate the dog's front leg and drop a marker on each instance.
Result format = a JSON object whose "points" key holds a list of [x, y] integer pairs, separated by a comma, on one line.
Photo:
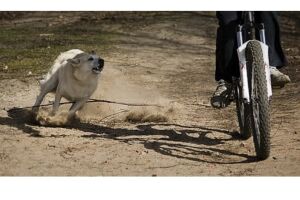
{"points": [[75, 107], [56, 103]]}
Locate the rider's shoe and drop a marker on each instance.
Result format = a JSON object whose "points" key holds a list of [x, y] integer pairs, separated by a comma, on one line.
{"points": [[278, 79], [221, 97]]}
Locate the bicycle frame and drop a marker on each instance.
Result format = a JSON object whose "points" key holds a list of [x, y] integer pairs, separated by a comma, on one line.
{"points": [[246, 31]]}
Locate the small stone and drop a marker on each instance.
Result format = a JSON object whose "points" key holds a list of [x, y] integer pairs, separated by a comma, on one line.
{"points": [[46, 34], [242, 144], [5, 67], [274, 158], [29, 73]]}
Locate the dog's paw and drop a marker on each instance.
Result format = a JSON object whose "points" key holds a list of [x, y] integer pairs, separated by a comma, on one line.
{"points": [[41, 120]]}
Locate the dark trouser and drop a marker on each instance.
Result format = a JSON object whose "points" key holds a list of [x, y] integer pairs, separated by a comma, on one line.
{"points": [[226, 45]]}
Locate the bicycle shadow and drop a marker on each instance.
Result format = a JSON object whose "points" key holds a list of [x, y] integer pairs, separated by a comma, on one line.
{"points": [[168, 139], [172, 142]]}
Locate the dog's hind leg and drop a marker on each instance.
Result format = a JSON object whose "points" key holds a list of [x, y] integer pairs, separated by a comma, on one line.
{"points": [[56, 103], [47, 87], [38, 101]]}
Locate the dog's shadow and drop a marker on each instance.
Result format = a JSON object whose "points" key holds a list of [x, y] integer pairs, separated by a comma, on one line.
{"points": [[169, 139], [22, 119]]}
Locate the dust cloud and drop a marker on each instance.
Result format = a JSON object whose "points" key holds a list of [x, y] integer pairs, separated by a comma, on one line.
{"points": [[136, 104], [44, 118], [115, 86]]}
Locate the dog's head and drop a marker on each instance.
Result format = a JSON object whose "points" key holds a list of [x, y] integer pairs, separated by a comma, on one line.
{"points": [[87, 64]]}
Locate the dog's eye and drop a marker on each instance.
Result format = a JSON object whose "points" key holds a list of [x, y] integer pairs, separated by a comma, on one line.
{"points": [[91, 59]]}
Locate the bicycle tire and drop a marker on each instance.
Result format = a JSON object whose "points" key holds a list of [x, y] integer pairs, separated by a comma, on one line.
{"points": [[243, 114], [259, 105]]}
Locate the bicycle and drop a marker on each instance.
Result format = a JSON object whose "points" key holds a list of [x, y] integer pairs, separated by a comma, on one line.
{"points": [[253, 89]]}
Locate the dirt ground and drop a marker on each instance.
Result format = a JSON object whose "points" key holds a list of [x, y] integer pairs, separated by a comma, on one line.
{"points": [[165, 58]]}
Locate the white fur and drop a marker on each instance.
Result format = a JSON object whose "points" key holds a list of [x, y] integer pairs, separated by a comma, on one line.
{"points": [[60, 61], [73, 79]]}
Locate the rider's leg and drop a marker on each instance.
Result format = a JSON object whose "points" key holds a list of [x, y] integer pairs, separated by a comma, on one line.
{"points": [[226, 56], [276, 54], [226, 45]]}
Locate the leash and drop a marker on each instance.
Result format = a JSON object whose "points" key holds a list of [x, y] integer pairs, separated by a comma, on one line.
{"points": [[95, 101]]}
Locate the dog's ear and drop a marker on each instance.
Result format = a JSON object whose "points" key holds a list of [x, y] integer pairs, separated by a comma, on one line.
{"points": [[74, 62]]}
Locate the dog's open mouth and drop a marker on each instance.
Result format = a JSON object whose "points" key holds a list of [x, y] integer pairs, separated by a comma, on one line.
{"points": [[97, 70]]}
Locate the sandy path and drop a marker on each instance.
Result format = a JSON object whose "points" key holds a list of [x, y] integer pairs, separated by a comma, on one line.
{"points": [[154, 61]]}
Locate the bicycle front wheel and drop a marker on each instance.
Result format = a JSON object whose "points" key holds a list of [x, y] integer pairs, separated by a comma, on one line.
{"points": [[259, 105]]}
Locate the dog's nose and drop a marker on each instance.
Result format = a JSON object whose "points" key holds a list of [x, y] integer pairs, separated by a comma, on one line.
{"points": [[101, 63]]}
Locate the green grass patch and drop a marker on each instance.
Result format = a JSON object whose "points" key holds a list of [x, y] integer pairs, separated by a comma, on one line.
{"points": [[33, 49]]}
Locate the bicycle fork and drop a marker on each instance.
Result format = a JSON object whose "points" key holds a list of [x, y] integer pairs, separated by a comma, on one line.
{"points": [[243, 64]]}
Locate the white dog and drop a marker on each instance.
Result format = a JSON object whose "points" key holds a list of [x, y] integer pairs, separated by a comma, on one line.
{"points": [[74, 76]]}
